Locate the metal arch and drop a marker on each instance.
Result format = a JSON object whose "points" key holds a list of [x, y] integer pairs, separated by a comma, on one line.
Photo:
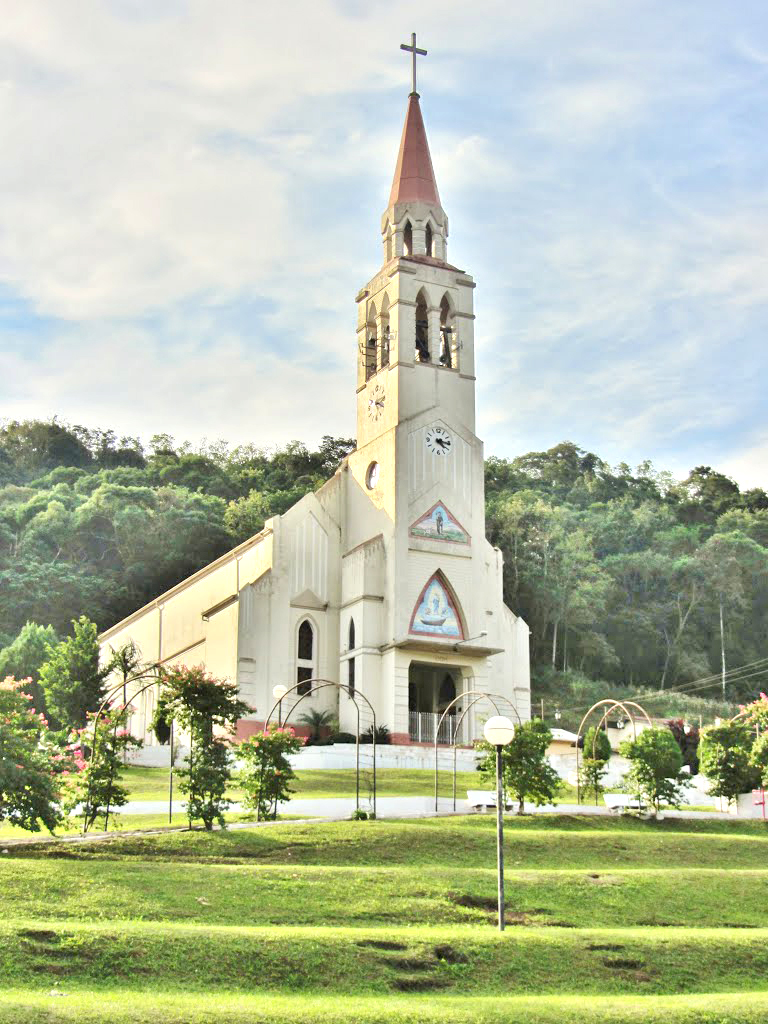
{"points": [[461, 719], [100, 711], [612, 705], [321, 684], [479, 694]]}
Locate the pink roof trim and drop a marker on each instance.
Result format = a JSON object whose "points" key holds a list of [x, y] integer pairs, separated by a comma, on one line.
{"points": [[414, 179]]}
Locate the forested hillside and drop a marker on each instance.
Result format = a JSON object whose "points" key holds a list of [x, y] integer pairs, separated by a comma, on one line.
{"points": [[626, 576]]}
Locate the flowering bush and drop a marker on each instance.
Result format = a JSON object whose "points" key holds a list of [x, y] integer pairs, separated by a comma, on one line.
{"points": [[29, 778], [267, 772], [199, 703], [97, 786]]}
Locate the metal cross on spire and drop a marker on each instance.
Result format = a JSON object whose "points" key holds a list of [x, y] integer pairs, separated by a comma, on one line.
{"points": [[413, 49]]}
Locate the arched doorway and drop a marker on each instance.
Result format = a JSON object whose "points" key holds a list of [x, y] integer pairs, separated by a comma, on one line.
{"points": [[431, 689]]}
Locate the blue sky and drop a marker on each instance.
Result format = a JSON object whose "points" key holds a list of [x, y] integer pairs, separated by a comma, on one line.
{"points": [[191, 195]]}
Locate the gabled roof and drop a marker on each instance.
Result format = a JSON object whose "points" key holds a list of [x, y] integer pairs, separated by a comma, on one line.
{"points": [[414, 179]]}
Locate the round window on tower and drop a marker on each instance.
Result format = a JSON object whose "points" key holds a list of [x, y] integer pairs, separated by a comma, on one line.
{"points": [[372, 476]]}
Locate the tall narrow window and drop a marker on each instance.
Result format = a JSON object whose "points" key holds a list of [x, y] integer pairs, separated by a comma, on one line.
{"points": [[389, 246], [305, 657], [351, 660], [428, 239], [408, 239], [422, 330], [385, 336], [446, 334]]}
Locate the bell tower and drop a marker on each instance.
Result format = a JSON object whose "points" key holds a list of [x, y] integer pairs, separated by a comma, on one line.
{"points": [[415, 319]]}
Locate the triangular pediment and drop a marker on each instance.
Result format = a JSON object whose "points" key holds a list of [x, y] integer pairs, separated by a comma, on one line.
{"points": [[438, 523], [309, 599]]}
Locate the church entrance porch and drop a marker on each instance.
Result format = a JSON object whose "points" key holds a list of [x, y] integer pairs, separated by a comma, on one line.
{"points": [[431, 688]]}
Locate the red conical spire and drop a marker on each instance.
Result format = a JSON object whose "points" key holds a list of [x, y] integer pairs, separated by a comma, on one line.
{"points": [[414, 179]]}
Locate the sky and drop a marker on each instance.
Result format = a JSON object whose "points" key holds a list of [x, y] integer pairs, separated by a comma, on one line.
{"points": [[191, 193]]}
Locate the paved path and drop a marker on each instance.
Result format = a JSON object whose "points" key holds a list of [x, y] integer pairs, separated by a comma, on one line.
{"points": [[395, 807]]}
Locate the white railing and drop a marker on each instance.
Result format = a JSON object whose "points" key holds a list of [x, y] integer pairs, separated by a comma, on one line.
{"points": [[422, 726]]}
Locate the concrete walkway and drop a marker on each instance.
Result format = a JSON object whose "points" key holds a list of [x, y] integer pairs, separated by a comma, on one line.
{"points": [[397, 807]]}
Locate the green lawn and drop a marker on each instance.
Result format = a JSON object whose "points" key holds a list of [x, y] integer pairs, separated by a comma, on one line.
{"points": [[609, 920]]}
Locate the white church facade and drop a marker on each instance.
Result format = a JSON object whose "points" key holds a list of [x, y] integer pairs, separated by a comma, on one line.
{"points": [[382, 580]]}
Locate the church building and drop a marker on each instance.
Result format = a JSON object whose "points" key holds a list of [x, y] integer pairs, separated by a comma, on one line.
{"points": [[382, 580]]}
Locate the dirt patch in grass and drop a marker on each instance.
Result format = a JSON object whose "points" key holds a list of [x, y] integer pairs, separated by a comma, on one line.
{"points": [[605, 947], [382, 944], [411, 963], [451, 955], [39, 935], [419, 984], [621, 964]]}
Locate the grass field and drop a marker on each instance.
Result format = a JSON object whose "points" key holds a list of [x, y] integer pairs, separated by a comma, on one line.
{"points": [[608, 920]]}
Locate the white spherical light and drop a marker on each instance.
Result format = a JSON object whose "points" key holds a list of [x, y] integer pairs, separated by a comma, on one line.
{"points": [[499, 731], [279, 691]]}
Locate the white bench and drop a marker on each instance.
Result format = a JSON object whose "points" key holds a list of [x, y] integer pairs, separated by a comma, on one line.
{"points": [[619, 802], [482, 800]]}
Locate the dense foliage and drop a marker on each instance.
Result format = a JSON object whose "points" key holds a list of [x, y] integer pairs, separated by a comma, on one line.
{"points": [[29, 781], [98, 788], [626, 576], [525, 769], [208, 709], [266, 772], [655, 773]]}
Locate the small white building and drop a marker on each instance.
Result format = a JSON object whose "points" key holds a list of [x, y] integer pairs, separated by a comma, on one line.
{"points": [[383, 579]]}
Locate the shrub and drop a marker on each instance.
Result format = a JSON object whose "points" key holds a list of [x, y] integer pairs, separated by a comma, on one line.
{"points": [[29, 785], [267, 772], [342, 737], [200, 703], [655, 773], [526, 772], [382, 735], [98, 786], [724, 757]]}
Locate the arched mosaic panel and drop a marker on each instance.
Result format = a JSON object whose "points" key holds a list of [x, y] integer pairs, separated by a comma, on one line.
{"points": [[436, 613], [439, 524]]}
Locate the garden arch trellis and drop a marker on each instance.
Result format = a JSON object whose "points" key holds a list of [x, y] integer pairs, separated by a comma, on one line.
{"points": [[321, 684], [477, 695], [610, 705]]}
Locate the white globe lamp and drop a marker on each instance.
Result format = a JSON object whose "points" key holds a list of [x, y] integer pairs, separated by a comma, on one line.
{"points": [[499, 731]]}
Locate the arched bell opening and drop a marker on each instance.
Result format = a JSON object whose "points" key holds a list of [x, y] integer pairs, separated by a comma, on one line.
{"points": [[384, 344], [371, 342], [428, 243], [422, 329], [408, 239], [448, 349]]}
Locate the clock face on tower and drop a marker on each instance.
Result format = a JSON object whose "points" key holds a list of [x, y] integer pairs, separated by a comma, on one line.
{"points": [[438, 440], [376, 399]]}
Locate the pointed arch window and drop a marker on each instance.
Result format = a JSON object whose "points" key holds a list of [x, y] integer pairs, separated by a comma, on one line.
{"points": [[385, 336], [436, 612], [428, 239], [351, 660], [446, 333], [408, 239], [371, 343], [422, 329], [306, 654]]}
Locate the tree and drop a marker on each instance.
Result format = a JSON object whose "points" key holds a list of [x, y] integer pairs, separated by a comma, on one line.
{"points": [[526, 772], [200, 704], [25, 656], [597, 752], [99, 788], [655, 774], [317, 721], [29, 783], [724, 758], [267, 773], [71, 678], [731, 562]]}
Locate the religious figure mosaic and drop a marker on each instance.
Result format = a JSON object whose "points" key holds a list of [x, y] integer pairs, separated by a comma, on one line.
{"points": [[439, 524], [435, 613]]}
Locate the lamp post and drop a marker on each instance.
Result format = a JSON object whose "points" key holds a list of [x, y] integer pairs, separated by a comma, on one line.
{"points": [[499, 732], [278, 692]]}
